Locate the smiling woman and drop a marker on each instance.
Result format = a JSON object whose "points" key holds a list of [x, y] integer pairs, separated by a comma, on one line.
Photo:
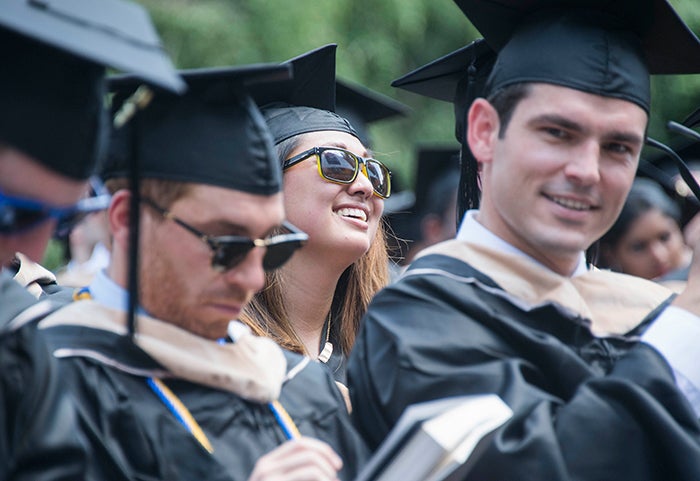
{"points": [[646, 240], [334, 191]]}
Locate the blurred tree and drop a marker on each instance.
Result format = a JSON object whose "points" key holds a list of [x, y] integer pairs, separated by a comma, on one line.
{"points": [[378, 41]]}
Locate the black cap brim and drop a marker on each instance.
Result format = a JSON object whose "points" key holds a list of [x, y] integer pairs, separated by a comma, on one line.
{"points": [[693, 119], [362, 106], [112, 33], [659, 166], [441, 78], [369, 105], [458, 77]]}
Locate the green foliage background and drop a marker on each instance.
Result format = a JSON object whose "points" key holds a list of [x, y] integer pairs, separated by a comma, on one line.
{"points": [[378, 41]]}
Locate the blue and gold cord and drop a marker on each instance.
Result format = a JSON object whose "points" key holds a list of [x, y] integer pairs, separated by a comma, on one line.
{"points": [[284, 420], [183, 415], [82, 294], [180, 411]]}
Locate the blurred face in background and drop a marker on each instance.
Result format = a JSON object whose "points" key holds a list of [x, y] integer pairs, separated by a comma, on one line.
{"points": [[651, 247]]}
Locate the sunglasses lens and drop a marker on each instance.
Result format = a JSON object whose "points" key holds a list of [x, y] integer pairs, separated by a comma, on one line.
{"points": [[380, 178], [278, 254], [16, 219], [229, 255], [338, 166]]}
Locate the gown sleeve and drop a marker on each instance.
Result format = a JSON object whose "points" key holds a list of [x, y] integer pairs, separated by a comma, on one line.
{"points": [[585, 408], [39, 439]]}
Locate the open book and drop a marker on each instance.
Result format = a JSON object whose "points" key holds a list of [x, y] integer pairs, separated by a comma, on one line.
{"points": [[437, 440]]}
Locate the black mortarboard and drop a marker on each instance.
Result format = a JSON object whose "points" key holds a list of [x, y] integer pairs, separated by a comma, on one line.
{"points": [[662, 168], [437, 177], [307, 102], [53, 55], [458, 77], [362, 106], [435, 165], [400, 220], [313, 83], [602, 47], [692, 120], [213, 134]]}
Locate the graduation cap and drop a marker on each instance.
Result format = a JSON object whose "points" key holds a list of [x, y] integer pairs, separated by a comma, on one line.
{"points": [[597, 46], [362, 106], [437, 173], [313, 83], [437, 176], [54, 55], [458, 77], [676, 166], [306, 103], [660, 167], [401, 221], [213, 134], [603, 47], [693, 119]]}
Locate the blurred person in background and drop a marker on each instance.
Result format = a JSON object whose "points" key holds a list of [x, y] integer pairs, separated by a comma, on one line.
{"points": [[646, 239], [87, 243]]}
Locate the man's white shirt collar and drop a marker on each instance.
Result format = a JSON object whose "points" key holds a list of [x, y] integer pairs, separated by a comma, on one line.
{"points": [[108, 293], [473, 231]]}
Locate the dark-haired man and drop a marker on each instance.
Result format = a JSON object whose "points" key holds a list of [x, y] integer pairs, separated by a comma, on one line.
{"points": [[600, 369]]}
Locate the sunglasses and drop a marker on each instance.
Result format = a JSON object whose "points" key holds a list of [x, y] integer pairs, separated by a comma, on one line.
{"points": [[229, 251], [19, 214], [341, 167]]}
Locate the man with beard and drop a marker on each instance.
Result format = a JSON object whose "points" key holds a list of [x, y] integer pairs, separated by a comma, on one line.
{"points": [[185, 392]]}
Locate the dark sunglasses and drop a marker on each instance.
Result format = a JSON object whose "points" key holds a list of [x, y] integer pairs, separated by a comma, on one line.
{"points": [[19, 214], [229, 251], [341, 167]]}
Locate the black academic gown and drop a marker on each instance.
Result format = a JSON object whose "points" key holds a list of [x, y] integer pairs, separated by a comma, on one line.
{"points": [[38, 421], [133, 435], [585, 407]]}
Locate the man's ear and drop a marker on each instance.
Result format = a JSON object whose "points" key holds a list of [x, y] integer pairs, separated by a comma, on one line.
{"points": [[118, 216], [482, 131]]}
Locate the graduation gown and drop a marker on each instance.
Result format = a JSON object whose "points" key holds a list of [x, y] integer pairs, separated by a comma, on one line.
{"points": [[38, 436], [590, 401], [131, 432]]}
